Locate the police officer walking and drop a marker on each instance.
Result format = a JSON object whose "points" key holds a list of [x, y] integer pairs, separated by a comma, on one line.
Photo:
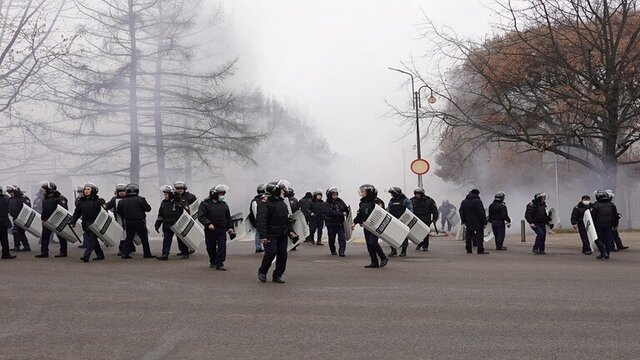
{"points": [[184, 195], [253, 214], [316, 222], [119, 193], [335, 212], [605, 220], [88, 207], [170, 210], [577, 216], [214, 214], [274, 227], [445, 211], [425, 208], [133, 209], [498, 218], [4, 226], [473, 216], [52, 198], [396, 207], [368, 201], [16, 200], [538, 218]]}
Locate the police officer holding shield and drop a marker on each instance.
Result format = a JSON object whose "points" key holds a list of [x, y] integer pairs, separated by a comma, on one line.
{"points": [[52, 198], [170, 210], [274, 227], [88, 207], [214, 214], [16, 200], [134, 209]]}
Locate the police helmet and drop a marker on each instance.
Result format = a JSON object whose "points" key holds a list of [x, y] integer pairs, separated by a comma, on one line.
{"points": [[48, 187], [261, 189], [11, 188], [218, 189], [132, 189], [332, 190], [418, 190], [167, 189], [610, 193], [368, 189], [500, 195], [180, 185], [317, 192], [395, 191], [602, 195], [539, 196], [92, 186], [120, 188]]}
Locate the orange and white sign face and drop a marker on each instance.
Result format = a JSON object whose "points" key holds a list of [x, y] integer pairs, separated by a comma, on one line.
{"points": [[420, 166]]}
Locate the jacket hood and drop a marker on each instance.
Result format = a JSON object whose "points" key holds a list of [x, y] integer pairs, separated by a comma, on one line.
{"points": [[471, 196]]}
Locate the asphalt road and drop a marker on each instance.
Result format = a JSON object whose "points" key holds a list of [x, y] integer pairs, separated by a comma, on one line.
{"points": [[443, 304]]}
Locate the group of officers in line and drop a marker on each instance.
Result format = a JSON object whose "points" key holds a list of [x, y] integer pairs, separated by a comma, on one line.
{"points": [[270, 213]]}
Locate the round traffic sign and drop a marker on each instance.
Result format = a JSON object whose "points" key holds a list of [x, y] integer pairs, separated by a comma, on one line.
{"points": [[420, 166]]}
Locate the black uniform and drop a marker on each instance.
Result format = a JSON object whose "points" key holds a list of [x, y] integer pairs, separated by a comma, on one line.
{"points": [[19, 234], [4, 226], [473, 215], [168, 213], [274, 225], [365, 208], [425, 209], [577, 216], [316, 222], [134, 209], [88, 207], [334, 211], [536, 214], [305, 205], [498, 217], [215, 212], [605, 219], [396, 207], [49, 205]]}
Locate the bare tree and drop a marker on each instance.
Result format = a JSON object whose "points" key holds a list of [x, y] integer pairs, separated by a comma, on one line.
{"points": [[561, 76]]}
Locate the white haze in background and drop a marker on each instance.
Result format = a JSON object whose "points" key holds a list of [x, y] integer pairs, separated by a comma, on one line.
{"points": [[329, 59]]}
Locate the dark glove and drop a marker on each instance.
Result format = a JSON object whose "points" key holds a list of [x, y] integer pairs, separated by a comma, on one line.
{"points": [[232, 236], [551, 226], [157, 225], [295, 239]]}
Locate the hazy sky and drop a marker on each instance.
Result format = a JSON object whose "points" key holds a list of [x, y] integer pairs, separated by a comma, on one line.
{"points": [[328, 59]]}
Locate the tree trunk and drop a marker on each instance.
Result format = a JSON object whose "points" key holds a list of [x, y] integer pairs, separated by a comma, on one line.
{"points": [[133, 101], [157, 109]]}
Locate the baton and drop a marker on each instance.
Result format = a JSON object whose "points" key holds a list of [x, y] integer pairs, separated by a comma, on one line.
{"points": [[435, 226]]}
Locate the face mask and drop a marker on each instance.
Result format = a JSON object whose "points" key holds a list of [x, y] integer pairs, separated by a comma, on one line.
{"points": [[586, 202], [221, 197]]}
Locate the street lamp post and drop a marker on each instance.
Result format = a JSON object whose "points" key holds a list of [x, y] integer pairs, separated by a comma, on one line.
{"points": [[416, 105]]}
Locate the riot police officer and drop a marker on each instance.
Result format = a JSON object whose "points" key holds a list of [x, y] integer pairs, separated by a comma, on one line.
{"points": [[538, 218], [274, 227], [499, 218], [425, 208], [605, 220], [253, 213], [473, 216], [16, 200], [4, 226], [119, 193], [169, 212], [577, 216], [88, 206], [396, 207], [214, 214], [184, 195], [316, 221], [52, 198], [368, 200], [335, 211], [133, 209]]}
